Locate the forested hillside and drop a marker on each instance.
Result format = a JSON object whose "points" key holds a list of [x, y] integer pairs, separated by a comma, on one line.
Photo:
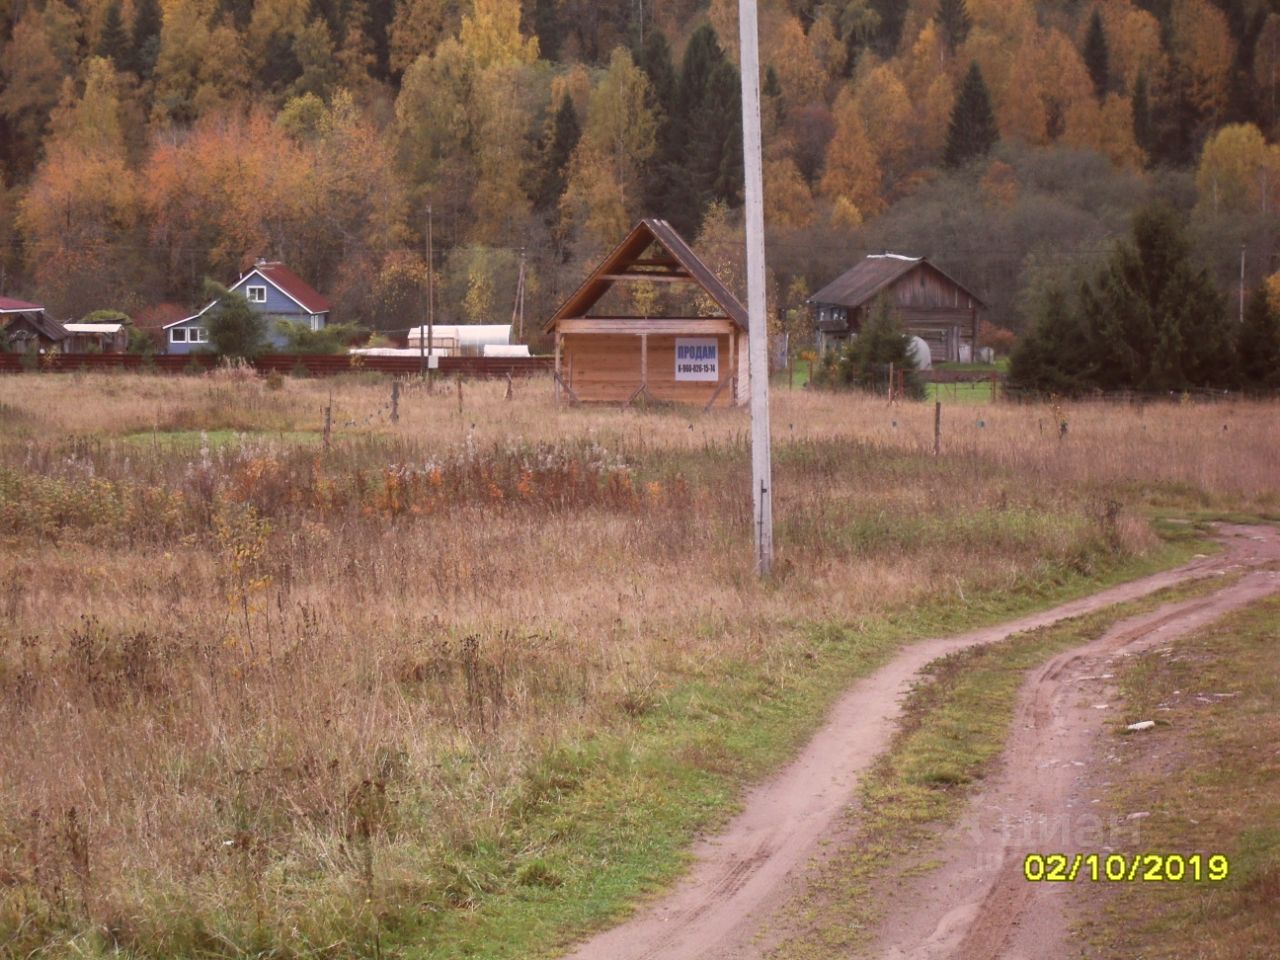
{"points": [[147, 144]]}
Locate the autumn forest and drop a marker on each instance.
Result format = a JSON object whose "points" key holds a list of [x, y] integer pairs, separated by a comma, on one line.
{"points": [[149, 144]]}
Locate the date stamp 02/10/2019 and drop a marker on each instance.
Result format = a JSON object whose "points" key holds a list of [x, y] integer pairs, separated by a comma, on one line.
{"points": [[1125, 868]]}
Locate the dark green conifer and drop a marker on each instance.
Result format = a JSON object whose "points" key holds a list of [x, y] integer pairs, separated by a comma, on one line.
{"points": [[953, 18], [1258, 344], [565, 133], [113, 42], [548, 28], [1049, 358], [145, 45], [1097, 55], [973, 131], [1152, 320], [1142, 129]]}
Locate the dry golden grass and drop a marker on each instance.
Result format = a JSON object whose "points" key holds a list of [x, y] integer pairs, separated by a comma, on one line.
{"points": [[232, 668]]}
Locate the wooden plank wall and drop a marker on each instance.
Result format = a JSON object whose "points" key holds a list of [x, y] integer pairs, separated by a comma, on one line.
{"points": [[926, 287], [606, 368]]}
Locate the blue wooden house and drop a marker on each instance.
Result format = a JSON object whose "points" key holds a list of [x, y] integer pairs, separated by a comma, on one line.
{"points": [[274, 291]]}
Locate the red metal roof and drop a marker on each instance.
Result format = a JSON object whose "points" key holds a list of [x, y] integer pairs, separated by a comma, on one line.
{"points": [[9, 305], [293, 285]]}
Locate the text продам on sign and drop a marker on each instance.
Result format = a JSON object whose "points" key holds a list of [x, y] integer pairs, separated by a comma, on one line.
{"points": [[698, 358]]}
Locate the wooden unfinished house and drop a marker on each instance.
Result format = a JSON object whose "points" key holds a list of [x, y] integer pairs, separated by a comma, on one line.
{"points": [[929, 304], [613, 357]]}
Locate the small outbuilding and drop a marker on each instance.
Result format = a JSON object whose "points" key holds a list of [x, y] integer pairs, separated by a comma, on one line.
{"points": [[26, 328], [96, 338], [930, 304], [694, 353]]}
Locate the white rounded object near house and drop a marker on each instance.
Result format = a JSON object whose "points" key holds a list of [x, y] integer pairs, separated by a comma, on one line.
{"points": [[506, 350], [918, 351]]}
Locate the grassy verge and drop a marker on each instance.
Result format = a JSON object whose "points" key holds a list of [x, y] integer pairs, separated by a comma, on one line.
{"points": [[954, 726], [1209, 777], [795, 378], [610, 819], [194, 440]]}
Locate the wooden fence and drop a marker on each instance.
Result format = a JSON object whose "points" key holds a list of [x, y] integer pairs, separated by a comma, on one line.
{"points": [[471, 368]]}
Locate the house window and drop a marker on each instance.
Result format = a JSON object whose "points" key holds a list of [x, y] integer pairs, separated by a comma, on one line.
{"points": [[198, 335], [317, 322], [178, 335], [256, 294]]}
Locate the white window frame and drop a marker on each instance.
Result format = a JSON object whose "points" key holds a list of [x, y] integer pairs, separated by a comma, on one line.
{"points": [[198, 335], [256, 293], [315, 323], [173, 335]]}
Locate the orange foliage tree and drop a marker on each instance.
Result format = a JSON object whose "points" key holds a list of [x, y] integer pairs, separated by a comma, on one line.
{"points": [[82, 207]]}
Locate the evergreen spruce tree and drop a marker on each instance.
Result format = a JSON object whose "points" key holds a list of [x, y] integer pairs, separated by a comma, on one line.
{"points": [[864, 363], [654, 58], [973, 131], [704, 136], [235, 328], [1151, 320], [380, 16], [772, 86], [113, 42], [1097, 56], [565, 133], [1242, 92], [1142, 129], [953, 18], [241, 11], [1258, 344], [548, 29], [145, 46], [717, 165], [893, 16], [1048, 359]]}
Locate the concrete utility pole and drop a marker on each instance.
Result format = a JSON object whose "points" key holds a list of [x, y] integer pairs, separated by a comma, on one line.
{"points": [[431, 301], [1242, 249], [757, 321]]}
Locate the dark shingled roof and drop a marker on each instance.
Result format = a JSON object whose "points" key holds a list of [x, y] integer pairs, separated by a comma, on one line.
{"points": [[860, 284], [642, 236], [13, 311]]}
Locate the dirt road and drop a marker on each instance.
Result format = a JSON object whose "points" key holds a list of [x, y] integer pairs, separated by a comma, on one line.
{"points": [[741, 875]]}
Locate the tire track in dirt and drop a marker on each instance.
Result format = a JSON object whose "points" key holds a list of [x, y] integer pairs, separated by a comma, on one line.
{"points": [[978, 905], [741, 875]]}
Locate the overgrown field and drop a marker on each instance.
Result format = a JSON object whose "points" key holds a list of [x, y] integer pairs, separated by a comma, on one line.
{"points": [[458, 684]]}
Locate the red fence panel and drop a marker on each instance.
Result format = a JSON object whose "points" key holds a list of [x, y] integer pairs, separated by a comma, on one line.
{"points": [[470, 368]]}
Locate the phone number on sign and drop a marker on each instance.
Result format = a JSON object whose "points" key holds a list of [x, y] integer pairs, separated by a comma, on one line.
{"points": [[1118, 867]]}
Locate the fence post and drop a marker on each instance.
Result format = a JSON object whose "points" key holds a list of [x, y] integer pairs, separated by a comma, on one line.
{"points": [[328, 421], [937, 427], [459, 394], [395, 401], [510, 387]]}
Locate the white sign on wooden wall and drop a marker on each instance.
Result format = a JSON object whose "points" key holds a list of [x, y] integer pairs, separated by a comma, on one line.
{"points": [[698, 358]]}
